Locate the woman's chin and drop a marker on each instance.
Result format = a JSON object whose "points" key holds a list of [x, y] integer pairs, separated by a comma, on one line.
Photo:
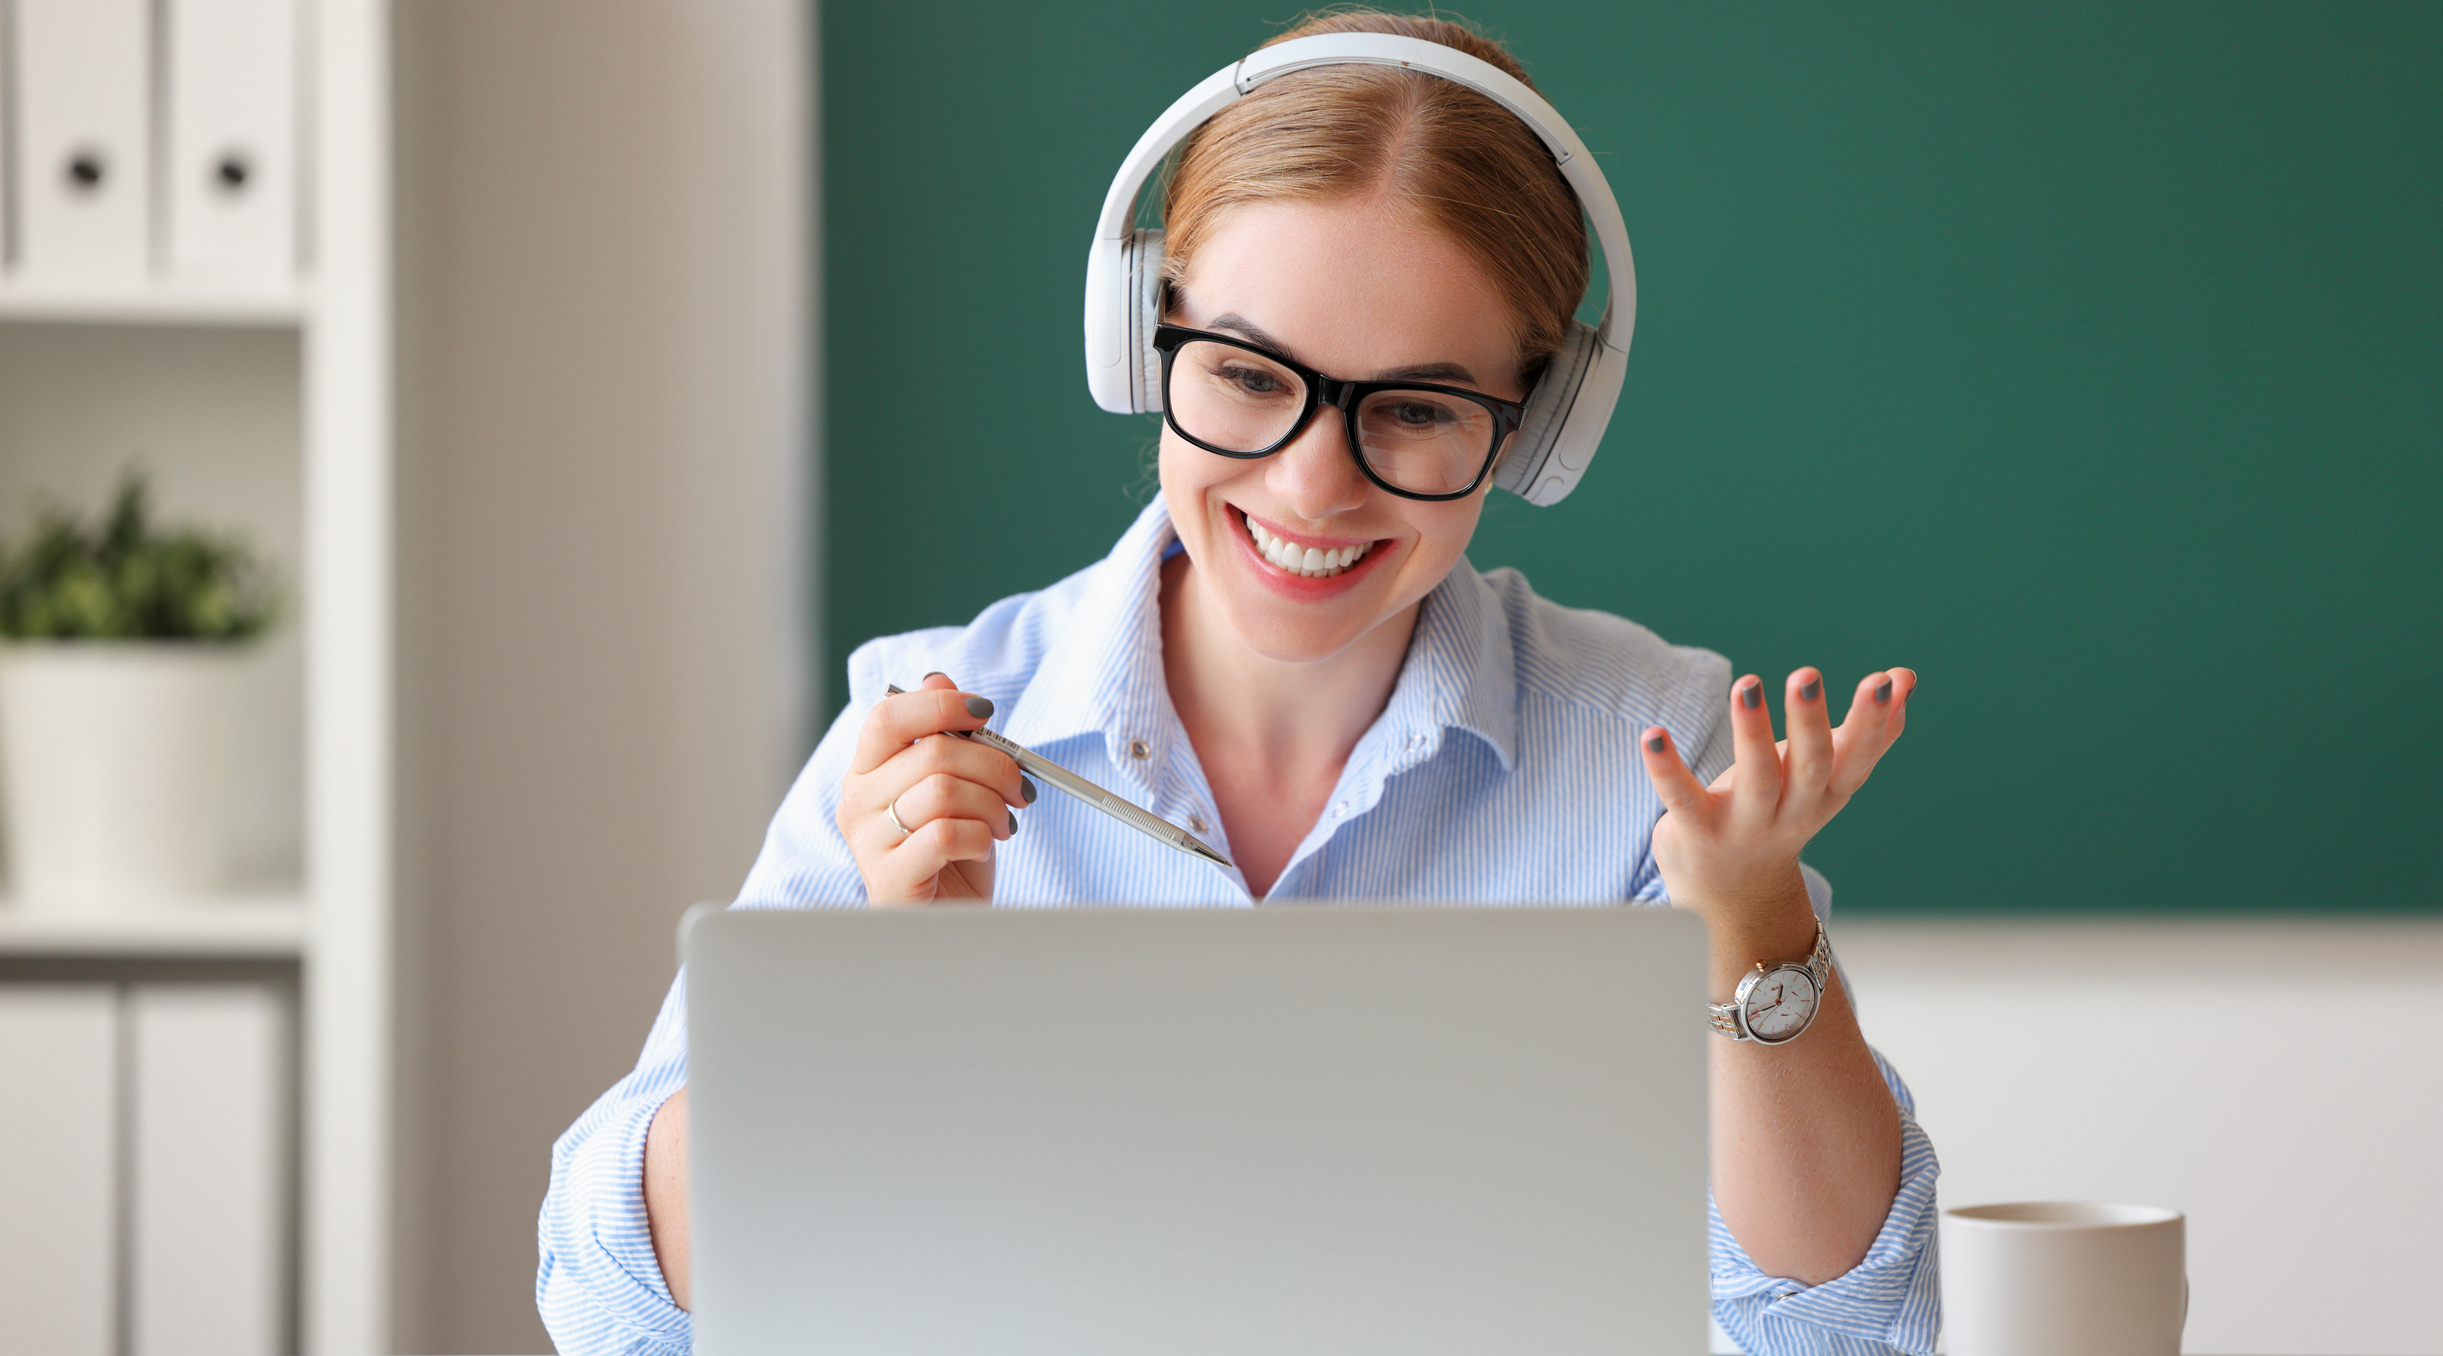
{"points": [[1290, 642], [1297, 633]]}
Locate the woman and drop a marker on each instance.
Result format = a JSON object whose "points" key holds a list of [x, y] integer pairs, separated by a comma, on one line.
{"points": [[1288, 654]]}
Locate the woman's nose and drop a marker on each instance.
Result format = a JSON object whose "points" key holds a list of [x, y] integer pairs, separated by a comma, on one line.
{"points": [[1316, 476]]}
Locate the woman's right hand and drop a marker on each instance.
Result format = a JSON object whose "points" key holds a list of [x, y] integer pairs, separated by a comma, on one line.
{"points": [[953, 797]]}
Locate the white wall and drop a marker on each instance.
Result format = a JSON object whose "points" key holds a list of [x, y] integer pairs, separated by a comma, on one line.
{"points": [[604, 480], [2279, 1081]]}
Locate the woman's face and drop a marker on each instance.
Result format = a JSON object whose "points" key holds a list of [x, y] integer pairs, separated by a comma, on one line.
{"points": [[1354, 292]]}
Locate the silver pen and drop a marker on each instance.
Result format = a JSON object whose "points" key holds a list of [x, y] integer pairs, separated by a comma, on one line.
{"points": [[1111, 803]]}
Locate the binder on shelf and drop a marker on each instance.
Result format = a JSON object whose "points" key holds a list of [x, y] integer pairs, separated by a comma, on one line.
{"points": [[209, 1086], [58, 1168], [229, 168], [82, 162]]}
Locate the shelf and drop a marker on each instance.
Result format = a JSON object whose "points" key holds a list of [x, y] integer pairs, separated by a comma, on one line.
{"points": [[240, 926], [154, 301]]}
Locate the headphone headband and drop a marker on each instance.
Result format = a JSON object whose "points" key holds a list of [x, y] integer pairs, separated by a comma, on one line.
{"points": [[1118, 333]]}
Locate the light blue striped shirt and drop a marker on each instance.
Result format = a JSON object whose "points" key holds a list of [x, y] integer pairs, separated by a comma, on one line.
{"points": [[1504, 770]]}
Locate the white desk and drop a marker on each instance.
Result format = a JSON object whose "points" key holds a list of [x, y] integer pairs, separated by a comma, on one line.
{"points": [[2240, 1071]]}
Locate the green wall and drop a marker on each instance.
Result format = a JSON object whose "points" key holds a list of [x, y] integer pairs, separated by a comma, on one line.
{"points": [[2083, 356]]}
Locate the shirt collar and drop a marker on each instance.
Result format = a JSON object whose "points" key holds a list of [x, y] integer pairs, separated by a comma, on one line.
{"points": [[1462, 667], [1104, 674]]}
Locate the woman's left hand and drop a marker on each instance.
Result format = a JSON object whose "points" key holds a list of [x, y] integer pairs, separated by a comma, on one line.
{"points": [[1730, 850], [1806, 1137]]}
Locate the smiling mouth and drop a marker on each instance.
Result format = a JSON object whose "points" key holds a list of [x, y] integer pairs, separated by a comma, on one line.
{"points": [[1305, 561]]}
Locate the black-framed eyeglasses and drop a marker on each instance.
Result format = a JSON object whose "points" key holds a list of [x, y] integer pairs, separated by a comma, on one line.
{"points": [[1414, 439]]}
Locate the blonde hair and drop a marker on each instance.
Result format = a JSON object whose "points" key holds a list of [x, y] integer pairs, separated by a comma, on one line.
{"points": [[1454, 161]]}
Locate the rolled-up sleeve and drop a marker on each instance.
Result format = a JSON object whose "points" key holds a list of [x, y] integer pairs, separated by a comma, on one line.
{"points": [[598, 1283], [599, 1286], [1889, 1302]]}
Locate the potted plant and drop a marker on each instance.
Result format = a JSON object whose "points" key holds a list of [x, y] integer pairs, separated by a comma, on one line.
{"points": [[119, 652]]}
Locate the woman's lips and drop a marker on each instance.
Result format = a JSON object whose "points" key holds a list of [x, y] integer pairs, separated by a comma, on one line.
{"points": [[1337, 564], [1301, 539]]}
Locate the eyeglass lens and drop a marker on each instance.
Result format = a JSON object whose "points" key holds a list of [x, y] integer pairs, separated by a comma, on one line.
{"points": [[1424, 442]]}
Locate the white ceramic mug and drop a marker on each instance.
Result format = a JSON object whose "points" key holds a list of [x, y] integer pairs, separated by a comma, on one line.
{"points": [[2052, 1278]]}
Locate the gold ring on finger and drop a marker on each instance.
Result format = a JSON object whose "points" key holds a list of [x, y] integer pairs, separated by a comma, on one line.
{"points": [[892, 809]]}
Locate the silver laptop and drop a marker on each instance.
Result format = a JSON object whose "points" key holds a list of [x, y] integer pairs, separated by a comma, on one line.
{"points": [[1136, 1132]]}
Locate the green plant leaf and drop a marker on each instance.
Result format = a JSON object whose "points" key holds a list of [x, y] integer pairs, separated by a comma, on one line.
{"points": [[124, 579]]}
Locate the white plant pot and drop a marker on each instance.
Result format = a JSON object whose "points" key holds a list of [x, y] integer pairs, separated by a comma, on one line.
{"points": [[116, 763]]}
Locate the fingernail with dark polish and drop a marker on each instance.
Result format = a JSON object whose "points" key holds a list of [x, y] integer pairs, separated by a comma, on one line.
{"points": [[937, 673], [1655, 742], [979, 707], [1807, 693], [1013, 821], [1026, 787], [1751, 695], [1883, 692]]}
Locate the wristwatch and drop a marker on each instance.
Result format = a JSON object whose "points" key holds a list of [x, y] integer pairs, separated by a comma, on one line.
{"points": [[1776, 1001]]}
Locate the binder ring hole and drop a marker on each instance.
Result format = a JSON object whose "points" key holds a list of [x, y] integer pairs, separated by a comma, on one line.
{"points": [[87, 169], [232, 172]]}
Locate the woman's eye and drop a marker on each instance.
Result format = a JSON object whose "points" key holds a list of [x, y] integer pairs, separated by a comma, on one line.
{"points": [[1414, 414], [1253, 380]]}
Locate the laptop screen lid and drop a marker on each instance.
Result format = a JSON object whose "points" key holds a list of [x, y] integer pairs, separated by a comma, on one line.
{"points": [[1285, 1130]]}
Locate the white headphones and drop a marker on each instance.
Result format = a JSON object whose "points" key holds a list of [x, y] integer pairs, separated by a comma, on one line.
{"points": [[1571, 403]]}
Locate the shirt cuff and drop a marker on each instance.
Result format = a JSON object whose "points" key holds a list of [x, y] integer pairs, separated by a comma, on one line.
{"points": [[601, 1289], [1890, 1301]]}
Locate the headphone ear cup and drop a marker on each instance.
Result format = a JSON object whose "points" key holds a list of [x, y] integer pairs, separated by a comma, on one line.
{"points": [[1144, 295], [1529, 470]]}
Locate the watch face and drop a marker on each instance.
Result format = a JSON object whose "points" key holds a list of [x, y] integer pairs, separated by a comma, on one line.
{"points": [[1780, 1004]]}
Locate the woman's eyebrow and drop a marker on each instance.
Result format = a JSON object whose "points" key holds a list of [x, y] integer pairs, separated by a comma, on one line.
{"points": [[1251, 332], [1255, 334], [1445, 372]]}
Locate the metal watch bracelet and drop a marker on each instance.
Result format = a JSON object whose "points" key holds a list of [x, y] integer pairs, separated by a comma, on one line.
{"points": [[1726, 1017]]}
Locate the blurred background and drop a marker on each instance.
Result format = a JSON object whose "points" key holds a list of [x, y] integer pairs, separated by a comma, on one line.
{"points": [[595, 374]]}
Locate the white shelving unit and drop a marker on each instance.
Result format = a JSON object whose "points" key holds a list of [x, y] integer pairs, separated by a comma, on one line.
{"points": [[309, 362], [155, 304], [250, 927]]}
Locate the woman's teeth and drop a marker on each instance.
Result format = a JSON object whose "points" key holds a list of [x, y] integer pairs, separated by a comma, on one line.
{"points": [[1304, 560]]}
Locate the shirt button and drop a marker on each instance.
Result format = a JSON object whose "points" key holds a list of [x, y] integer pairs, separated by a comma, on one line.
{"points": [[1140, 750], [1197, 822]]}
